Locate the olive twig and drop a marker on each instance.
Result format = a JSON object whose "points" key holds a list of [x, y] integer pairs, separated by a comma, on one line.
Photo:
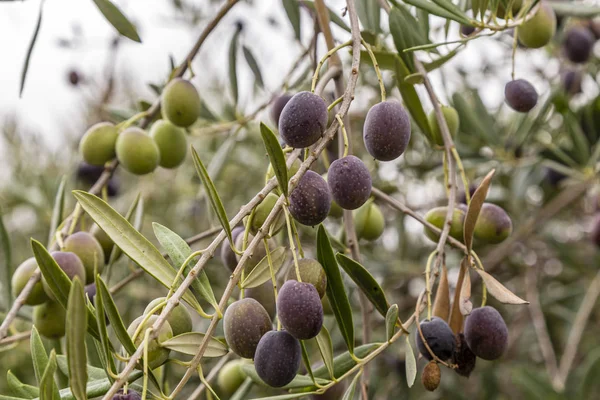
{"points": [[146, 342], [376, 66], [463, 175], [292, 244], [273, 279], [325, 58]]}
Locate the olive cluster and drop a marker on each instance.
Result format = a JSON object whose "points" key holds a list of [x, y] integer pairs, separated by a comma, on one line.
{"points": [[141, 152]]}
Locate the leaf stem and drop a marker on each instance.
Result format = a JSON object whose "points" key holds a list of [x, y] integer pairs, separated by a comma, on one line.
{"points": [[292, 244], [322, 61], [376, 66]]}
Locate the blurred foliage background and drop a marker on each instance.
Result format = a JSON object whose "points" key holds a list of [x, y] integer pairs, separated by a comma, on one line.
{"points": [[538, 156]]}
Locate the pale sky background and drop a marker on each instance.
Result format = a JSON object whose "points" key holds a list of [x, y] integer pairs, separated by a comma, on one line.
{"points": [[49, 104]]}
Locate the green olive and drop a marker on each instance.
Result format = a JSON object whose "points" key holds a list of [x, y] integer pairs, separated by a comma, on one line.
{"points": [[21, 277], [181, 102], [137, 152], [157, 355], [50, 319], [452, 120], [179, 319], [171, 142], [369, 222], [97, 145], [539, 30]]}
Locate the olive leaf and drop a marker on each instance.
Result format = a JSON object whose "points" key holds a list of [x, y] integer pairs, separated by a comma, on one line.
{"points": [[441, 304], [233, 79], [213, 195], [336, 292], [94, 373], [326, 349], [365, 281], [306, 360], [99, 388], [188, 343], [410, 362], [57, 211], [276, 157], [105, 344], [20, 389], [129, 216], [262, 272], [435, 9], [369, 14], [178, 250], [456, 318], [299, 381], [292, 9], [465, 295], [344, 362], [406, 34], [475, 207], [385, 59], [133, 243], [253, 64], [38, 354], [116, 18], [7, 270], [349, 393], [390, 320], [499, 291], [113, 316], [575, 9], [76, 326], [36, 31], [48, 388]]}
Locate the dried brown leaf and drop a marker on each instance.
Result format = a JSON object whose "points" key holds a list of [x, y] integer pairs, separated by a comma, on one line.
{"points": [[498, 290], [465, 295], [441, 305], [475, 207], [456, 318]]}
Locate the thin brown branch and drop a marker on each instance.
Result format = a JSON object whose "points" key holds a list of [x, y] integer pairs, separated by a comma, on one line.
{"points": [[15, 338], [212, 375]]}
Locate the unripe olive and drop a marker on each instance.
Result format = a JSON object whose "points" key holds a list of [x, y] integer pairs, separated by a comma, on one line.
{"points": [[97, 145], [50, 319], [265, 295], [21, 277], [228, 257], [369, 222], [493, 224], [539, 30], [181, 102], [180, 319], [171, 142], [452, 120], [431, 376], [70, 264], [157, 355], [137, 152], [261, 213], [231, 376], [311, 271], [244, 324], [90, 252], [437, 217]]}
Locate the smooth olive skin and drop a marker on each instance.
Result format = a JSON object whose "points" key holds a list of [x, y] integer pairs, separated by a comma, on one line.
{"points": [[231, 377], [21, 277], [350, 182], [278, 357], [310, 201], [50, 319], [578, 44], [70, 264], [137, 152], [539, 30], [172, 143], [303, 120], [369, 222], [386, 132], [437, 216], [265, 295], [244, 323], [89, 250], [228, 257], [311, 271], [486, 333], [261, 213], [157, 355], [493, 224], [97, 146], [439, 337], [520, 95], [452, 120], [181, 102], [180, 319], [299, 309], [277, 107]]}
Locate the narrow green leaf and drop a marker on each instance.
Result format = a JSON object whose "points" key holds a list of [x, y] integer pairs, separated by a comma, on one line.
{"points": [[103, 332], [475, 207], [76, 327], [133, 243], [188, 343], [589, 383], [349, 394], [212, 194], [55, 277], [436, 10], [30, 48], [369, 14], [48, 388], [336, 292], [452, 8], [292, 9], [262, 272], [20, 389], [437, 63], [344, 362], [253, 64], [286, 396], [242, 392], [276, 157], [57, 211], [390, 320], [300, 381], [129, 216], [7, 269], [3, 397], [365, 281], [38, 354], [332, 16], [178, 250], [233, 79], [326, 349], [410, 362], [575, 9], [114, 317], [94, 373], [581, 145], [116, 18]]}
